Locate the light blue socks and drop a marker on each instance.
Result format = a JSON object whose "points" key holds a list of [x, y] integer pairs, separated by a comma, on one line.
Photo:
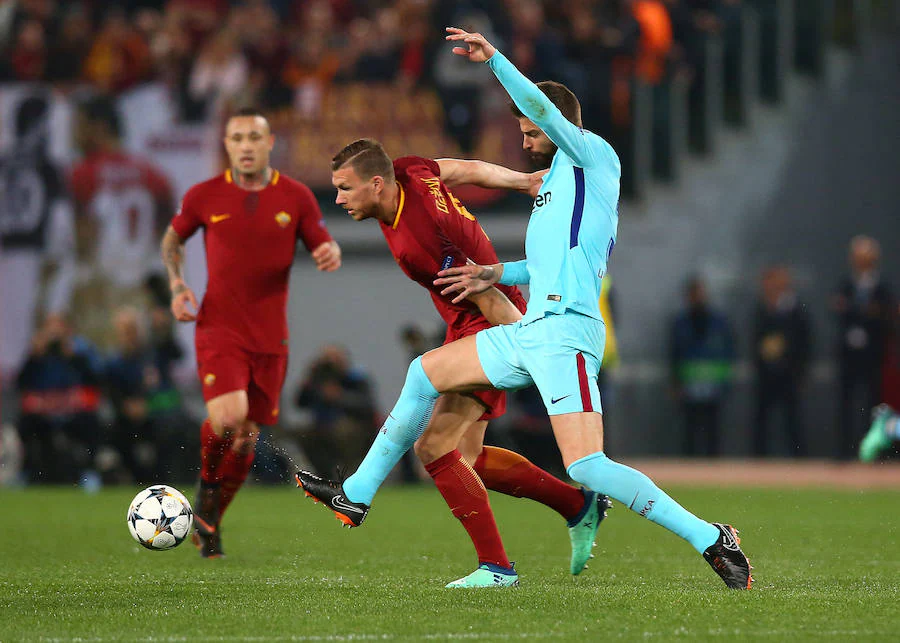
{"points": [[404, 425], [637, 492]]}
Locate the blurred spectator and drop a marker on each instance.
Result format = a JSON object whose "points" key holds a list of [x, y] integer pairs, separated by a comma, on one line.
{"points": [[124, 204], [309, 72], [863, 306], [605, 37], [119, 57], [655, 44], [461, 87], [59, 397], [701, 357], [782, 345], [340, 397], [177, 451], [150, 428], [28, 60], [531, 431], [127, 372], [416, 45], [171, 51], [219, 73], [36, 230], [379, 58], [538, 52], [266, 48], [70, 49]]}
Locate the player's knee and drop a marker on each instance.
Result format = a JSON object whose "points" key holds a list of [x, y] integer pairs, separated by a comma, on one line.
{"points": [[246, 437], [228, 420], [429, 448], [421, 449], [417, 380]]}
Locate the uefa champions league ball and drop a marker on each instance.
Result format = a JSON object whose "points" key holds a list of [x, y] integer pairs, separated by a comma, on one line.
{"points": [[160, 517]]}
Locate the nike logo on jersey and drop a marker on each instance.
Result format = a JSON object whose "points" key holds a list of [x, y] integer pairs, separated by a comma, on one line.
{"points": [[338, 503], [559, 399], [219, 217]]}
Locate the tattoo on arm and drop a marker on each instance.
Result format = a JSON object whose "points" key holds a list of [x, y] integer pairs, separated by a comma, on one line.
{"points": [[173, 257]]}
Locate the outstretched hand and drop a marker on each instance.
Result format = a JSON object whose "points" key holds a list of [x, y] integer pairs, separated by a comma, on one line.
{"points": [[535, 182], [467, 280], [478, 49]]}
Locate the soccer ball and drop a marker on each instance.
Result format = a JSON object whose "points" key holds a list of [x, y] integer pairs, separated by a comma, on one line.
{"points": [[160, 517]]}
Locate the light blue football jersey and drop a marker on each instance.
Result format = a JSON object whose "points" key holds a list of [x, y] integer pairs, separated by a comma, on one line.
{"points": [[574, 220]]}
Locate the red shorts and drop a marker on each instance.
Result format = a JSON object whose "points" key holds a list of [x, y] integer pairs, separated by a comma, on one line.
{"points": [[231, 368], [493, 399]]}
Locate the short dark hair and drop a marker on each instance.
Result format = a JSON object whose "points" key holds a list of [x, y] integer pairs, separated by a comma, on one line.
{"points": [[561, 96], [247, 111], [367, 158]]}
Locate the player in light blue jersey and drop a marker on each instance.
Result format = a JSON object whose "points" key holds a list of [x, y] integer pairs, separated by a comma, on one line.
{"points": [[558, 344]]}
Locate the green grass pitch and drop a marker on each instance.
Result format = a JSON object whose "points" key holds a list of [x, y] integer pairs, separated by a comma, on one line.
{"points": [[827, 567]]}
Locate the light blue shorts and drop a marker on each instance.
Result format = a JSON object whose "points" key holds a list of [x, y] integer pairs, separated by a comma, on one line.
{"points": [[561, 354]]}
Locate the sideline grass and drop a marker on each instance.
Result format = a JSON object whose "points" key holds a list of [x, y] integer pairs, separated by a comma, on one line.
{"points": [[827, 566]]}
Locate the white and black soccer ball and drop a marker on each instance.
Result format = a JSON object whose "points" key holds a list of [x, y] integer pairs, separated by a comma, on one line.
{"points": [[160, 517]]}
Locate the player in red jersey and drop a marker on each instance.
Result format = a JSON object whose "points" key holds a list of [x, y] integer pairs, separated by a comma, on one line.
{"points": [[427, 229], [252, 217], [124, 202]]}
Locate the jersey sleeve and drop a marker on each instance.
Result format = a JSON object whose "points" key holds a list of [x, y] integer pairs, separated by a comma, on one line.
{"points": [[462, 236], [187, 219], [311, 229], [515, 273], [404, 164], [585, 150]]}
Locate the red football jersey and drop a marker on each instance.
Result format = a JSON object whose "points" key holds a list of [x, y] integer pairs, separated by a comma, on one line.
{"points": [[129, 199], [251, 238], [117, 171], [433, 231]]}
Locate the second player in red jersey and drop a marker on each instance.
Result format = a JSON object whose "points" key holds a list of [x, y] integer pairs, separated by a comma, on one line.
{"points": [[431, 231], [252, 217], [428, 229]]}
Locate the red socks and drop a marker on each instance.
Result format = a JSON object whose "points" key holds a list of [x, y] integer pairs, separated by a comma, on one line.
{"points": [[510, 473], [235, 467], [219, 464], [468, 500], [212, 451]]}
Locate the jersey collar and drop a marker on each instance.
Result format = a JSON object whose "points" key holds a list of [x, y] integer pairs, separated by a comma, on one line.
{"points": [[399, 208], [273, 181]]}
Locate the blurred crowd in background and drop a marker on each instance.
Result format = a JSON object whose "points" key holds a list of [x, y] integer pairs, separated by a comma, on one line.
{"points": [[288, 53], [90, 356], [116, 415]]}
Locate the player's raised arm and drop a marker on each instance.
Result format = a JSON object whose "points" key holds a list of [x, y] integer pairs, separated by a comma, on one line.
{"points": [[529, 99], [172, 250], [488, 175]]}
